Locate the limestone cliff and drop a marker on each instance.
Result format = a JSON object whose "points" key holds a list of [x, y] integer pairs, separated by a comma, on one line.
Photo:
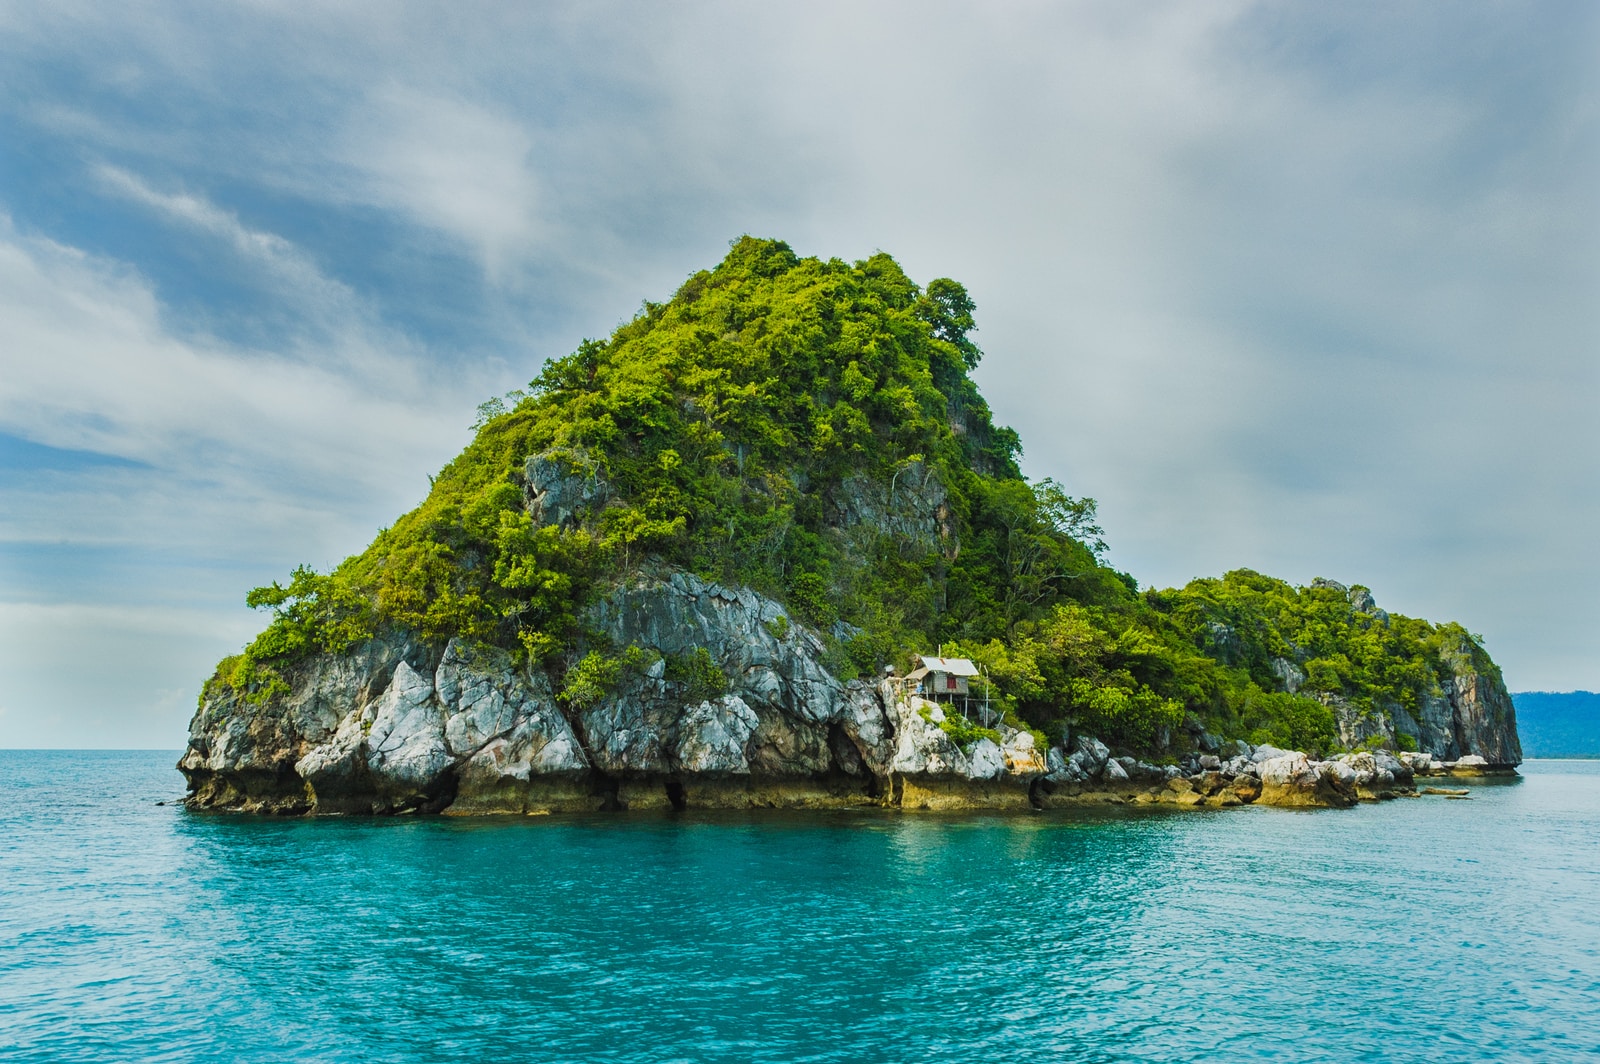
{"points": [[1467, 712], [392, 726]]}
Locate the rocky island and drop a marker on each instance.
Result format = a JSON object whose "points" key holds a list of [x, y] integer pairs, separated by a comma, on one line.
{"points": [[692, 566]]}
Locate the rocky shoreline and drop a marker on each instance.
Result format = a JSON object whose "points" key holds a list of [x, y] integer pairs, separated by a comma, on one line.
{"points": [[1263, 775], [396, 726]]}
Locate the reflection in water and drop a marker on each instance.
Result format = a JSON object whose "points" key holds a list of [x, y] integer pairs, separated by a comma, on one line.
{"points": [[1426, 929]]}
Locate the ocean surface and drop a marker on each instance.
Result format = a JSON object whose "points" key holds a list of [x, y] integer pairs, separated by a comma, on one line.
{"points": [[1415, 930]]}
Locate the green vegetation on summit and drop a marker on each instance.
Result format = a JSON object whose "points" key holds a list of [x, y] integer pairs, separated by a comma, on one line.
{"points": [[809, 429]]}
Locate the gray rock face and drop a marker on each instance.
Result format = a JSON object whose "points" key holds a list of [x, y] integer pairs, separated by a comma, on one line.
{"points": [[405, 742], [1056, 762], [243, 755], [1288, 673], [386, 728], [476, 719], [1294, 780], [914, 507], [1485, 722], [1223, 643], [1239, 766], [1378, 774], [563, 486], [1147, 772], [1418, 761], [1469, 714], [1359, 727], [713, 736], [1091, 755], [984, 761], [681, 613], [922, 748]]}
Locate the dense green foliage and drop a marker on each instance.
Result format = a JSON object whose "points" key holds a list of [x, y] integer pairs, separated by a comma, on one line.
{"points": [[729, 430], [1348, 650], [964, 732]]}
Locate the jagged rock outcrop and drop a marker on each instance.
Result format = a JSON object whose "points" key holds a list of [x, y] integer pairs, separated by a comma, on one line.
{"points": [[405, 745], [1264, 775], [1290, 675], [389, 727], [913, 507], [1469, 714], [1294, 780], [393, 726], [563, 486], [243, 755], [1379, 774]]}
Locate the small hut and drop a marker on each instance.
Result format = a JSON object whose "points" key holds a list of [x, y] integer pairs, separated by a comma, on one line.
{"points": [[942, 677]]}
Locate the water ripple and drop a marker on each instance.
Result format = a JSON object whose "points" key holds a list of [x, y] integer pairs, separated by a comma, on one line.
{"points": [[1424, 930]]}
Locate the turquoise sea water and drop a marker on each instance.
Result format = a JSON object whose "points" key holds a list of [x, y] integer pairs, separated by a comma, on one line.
{"points": [[1422, 930]]}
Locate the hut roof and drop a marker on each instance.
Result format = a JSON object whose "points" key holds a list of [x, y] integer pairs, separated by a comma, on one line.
{"points": [[952, 666]]}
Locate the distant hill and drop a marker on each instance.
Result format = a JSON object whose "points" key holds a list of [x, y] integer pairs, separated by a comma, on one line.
{"points": [[1558, 723]]}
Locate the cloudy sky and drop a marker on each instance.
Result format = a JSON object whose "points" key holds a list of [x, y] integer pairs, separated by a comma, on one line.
{"points": [[1309, 288]]}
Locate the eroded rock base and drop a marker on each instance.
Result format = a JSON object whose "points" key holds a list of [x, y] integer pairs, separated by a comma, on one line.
{"points": [[395, 725]]}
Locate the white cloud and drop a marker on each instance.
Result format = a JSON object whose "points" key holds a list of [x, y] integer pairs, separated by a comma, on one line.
{"points": [[250, 461], [453, 166], [86, 362], [292, 272]]}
